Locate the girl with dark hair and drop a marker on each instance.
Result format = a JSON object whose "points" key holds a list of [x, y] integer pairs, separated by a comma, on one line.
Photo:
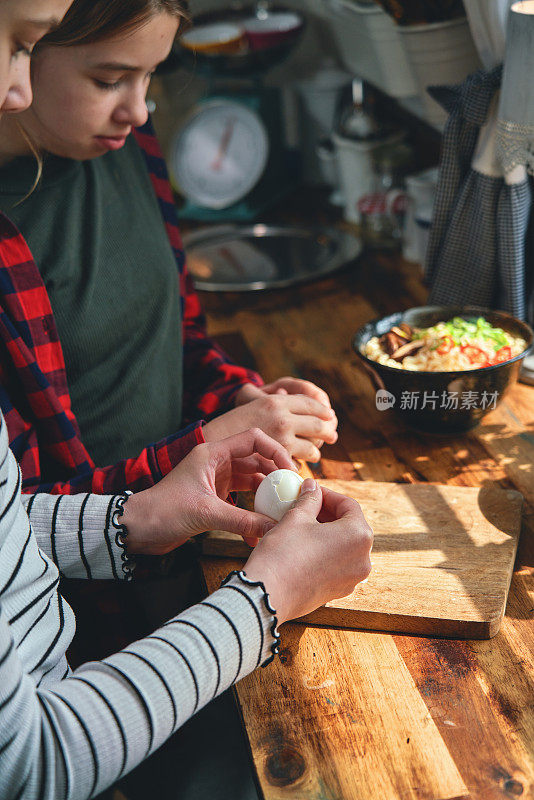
{"points": [[112, 286]]}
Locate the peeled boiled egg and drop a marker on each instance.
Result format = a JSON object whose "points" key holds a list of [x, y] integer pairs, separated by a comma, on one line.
{"points": [[277, 493]]}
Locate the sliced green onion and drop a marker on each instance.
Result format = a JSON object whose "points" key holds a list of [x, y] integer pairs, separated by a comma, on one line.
{"points": [[461, 331]]}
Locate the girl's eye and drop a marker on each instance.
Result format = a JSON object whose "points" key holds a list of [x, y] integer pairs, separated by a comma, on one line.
{"points": [[107, 86]]}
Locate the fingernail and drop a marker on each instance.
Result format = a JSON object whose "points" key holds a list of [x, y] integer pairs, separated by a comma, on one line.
{"points": [[268, 527], [309, 485]]}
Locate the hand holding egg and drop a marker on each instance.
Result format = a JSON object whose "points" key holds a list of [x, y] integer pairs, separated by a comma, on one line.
{"points": [[193, 497], [303, 562]]}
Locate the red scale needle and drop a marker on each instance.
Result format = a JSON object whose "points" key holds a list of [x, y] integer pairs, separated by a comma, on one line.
{"points": [[224, 145]]}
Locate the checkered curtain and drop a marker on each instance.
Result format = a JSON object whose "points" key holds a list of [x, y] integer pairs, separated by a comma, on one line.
{"points": [[479, 250]]}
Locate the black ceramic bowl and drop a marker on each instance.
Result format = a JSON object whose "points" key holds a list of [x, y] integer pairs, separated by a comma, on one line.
{"points": [[442, 402]]}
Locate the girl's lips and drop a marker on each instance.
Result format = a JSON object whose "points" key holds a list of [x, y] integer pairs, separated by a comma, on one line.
{"points": [[111, 142]]}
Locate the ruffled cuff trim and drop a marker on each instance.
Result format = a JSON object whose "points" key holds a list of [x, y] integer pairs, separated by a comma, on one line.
{"points": [[121, 536], [275, 647]]}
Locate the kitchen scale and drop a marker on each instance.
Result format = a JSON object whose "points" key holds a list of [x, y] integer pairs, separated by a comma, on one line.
{"points": [[229, 159]]}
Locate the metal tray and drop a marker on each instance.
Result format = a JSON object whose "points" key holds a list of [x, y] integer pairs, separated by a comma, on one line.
{"points": [[247, 64], [226, 258]]}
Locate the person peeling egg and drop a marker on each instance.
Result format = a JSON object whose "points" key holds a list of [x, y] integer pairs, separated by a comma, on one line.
{"points": [[277, 493]]}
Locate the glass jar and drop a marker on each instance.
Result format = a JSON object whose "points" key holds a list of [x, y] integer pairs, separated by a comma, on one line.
{"points": [[381, 219]]}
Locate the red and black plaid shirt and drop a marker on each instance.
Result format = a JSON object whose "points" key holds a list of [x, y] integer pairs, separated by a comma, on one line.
{"points": [[34, 395]]}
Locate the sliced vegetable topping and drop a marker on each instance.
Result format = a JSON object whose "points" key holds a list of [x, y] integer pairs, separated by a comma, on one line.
{"points": [[461, 330], [447, 343], [504, 354], [473, 353]]}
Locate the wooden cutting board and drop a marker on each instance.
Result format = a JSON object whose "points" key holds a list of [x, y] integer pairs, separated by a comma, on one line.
{"points": [[442, 559]]}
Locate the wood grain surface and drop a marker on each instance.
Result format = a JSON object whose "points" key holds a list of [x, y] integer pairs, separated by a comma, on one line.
{"points": [[390, 716], [442, 559], [336, 731]]}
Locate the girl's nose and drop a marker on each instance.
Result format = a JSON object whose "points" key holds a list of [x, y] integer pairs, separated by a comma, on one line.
{"points": [[19, 95], [134, 111]]}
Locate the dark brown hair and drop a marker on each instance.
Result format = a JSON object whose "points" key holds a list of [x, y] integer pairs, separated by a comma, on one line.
{"points": [[89, 21]]}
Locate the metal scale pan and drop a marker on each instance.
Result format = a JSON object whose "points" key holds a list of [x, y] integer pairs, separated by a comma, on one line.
{"points": [[227, 258]]}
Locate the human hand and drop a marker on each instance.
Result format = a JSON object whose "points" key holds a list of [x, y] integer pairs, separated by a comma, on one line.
{"points": [[286, 385], [305, 562], [192, 498], [299, 422]]}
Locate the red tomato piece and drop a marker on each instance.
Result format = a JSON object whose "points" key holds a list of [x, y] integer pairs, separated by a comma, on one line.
{"points": [[447, 343], [504, 354], [474, 354]]}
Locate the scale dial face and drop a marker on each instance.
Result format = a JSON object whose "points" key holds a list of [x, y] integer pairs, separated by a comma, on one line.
{"points": [[220, 154]]}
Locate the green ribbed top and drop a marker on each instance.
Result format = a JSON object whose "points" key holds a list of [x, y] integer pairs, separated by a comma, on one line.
{"points": [[99, 241]]}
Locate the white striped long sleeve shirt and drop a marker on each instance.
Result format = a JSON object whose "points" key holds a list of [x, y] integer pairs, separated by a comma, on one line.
{"points": [[67, 734]]}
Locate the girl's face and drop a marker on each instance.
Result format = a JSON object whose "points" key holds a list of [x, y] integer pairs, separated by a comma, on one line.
{"points": [[87, 98], [22, 24]]}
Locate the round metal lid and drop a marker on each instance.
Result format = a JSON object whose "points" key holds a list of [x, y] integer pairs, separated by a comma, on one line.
{"points": [[225, 258]]}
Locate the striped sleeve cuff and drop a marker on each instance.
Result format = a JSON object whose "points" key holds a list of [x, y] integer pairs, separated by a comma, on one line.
{"points": [[239, 577], [78, 533]]}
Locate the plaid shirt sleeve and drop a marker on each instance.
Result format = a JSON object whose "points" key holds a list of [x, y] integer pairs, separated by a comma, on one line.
{"points": [[211, 378], [136, 474], [33, 443]]}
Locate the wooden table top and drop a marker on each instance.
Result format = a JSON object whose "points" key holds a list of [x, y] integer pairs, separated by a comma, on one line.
{"points": [[357, 715]]}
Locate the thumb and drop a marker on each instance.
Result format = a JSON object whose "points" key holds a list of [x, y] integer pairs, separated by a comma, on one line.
{"points": [[247, 524], [310, 499]]}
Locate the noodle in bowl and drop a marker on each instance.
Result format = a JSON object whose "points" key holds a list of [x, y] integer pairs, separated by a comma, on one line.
{"points": [[443, 368], [449, 348]]}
